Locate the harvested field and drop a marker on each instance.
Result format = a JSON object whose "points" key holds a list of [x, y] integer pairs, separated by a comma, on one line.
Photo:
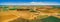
{"points": [[30, 14]]}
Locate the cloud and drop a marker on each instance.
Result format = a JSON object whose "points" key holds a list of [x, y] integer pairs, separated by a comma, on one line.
{"points": [[32, 3]]}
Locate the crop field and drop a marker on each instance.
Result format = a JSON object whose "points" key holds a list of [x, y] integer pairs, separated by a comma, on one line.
{"points": [[40, 13]]}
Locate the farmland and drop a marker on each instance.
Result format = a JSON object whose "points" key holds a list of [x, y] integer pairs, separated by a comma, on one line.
{"points": [[11, 13]]}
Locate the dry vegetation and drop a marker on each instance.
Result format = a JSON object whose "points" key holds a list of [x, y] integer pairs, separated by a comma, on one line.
{"points": [[11, 15]]}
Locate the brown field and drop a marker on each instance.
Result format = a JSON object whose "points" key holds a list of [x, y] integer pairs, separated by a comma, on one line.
{"points": [[14, 14]]}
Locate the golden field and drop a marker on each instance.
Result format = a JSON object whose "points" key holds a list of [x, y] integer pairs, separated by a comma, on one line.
{"points": [[11, 15]]}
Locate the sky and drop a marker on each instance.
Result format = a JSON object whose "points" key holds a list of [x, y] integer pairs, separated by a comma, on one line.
{"points": [[29, 2]]}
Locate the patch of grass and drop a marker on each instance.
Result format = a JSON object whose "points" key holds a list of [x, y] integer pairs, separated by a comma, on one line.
{"points": [[43, 16], [51, 19], [12, 9]]}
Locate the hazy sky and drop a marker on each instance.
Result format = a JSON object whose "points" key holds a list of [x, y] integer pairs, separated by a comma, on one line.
{"points": [[29, 2]]}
